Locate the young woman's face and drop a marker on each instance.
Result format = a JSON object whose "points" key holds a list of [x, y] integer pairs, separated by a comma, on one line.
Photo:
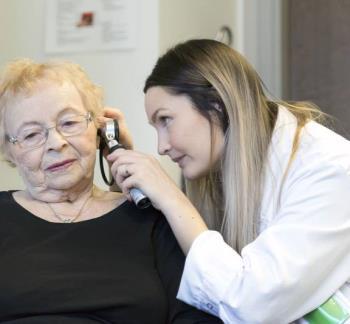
{"points": [[183, 133], [61, 162]]}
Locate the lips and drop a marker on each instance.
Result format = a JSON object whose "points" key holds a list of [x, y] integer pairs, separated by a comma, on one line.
{"points": [[178, 160], [60, 165]]}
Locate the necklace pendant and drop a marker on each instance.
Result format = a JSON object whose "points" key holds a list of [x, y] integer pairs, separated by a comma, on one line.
{"points": [[72, 219]]}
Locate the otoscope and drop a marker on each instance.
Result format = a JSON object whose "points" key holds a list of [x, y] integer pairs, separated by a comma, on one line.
{"points": [[110, 135]]}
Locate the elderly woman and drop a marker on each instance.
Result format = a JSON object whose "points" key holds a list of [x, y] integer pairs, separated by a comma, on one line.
{"points": [[69, 251]]}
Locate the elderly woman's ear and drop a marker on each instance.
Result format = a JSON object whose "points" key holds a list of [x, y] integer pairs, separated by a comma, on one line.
{"points": [[8, 157], [98, 140]]}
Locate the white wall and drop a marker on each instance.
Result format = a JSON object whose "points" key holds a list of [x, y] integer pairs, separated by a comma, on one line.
{"points": [[181, 20]]}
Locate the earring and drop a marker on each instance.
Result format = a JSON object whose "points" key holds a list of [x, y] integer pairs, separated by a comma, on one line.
{"points": [[217, 107]]}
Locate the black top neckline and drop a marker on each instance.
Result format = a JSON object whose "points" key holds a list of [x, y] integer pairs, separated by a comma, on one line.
{"points": [[37, 218]]}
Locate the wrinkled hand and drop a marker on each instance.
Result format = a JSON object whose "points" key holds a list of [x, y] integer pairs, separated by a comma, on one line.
{"points": [[132, 169], [124, 133]]}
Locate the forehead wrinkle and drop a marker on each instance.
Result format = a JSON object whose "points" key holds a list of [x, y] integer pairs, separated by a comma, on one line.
{"points": [[25, 101]]}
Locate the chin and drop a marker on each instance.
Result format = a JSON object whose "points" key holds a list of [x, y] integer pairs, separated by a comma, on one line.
{"points": [[191, 174], [194, 173], [61, 186], [64, 183]]}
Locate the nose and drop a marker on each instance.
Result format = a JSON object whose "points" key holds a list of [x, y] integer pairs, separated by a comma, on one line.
{"points": [[163, 144], [55, 141]]}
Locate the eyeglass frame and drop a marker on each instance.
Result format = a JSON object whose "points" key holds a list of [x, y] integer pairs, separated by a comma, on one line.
{"points": [[14, 140]]}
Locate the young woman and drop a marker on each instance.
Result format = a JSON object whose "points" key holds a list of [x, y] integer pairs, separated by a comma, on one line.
{"points": [[265, 221]]}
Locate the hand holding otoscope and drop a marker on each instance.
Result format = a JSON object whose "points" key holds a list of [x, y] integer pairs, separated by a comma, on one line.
{"points": [[110, 137]]}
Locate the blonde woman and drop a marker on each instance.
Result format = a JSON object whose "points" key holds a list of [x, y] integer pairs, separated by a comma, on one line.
{"points": [[265, 222]]}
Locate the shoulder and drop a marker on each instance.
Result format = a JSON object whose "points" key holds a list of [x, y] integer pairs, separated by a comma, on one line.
{"points": [[147, 219], [321, 146], [109, 200], [322, 159], [320, 167], [106, 196], [5, 197], [318, 145], [163, 236], [320, 172], [8, 206]]}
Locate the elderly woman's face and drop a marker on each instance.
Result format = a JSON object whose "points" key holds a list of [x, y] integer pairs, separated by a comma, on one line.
{"points": [[61, 162]]}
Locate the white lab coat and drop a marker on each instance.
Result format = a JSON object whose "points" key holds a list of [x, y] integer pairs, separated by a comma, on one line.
{"points": [[302, 254]]}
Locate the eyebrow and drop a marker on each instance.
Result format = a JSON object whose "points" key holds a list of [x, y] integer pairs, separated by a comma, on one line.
{"points": [[154, 116], [68, 110], [61, 114]]}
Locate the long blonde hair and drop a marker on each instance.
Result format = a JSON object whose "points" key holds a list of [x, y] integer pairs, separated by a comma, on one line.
{"points": [[225, 88]]}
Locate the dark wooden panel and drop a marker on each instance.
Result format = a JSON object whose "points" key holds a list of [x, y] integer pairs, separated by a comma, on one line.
{"points": [[318, 56]]}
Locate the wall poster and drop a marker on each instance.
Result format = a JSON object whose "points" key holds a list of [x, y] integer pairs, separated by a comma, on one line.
{"points": [[90, 25]]}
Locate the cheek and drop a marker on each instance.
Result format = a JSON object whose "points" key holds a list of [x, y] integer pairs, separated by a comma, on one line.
{"points": [[29, 161], [176, 138], [29, 168], [86, 148]]}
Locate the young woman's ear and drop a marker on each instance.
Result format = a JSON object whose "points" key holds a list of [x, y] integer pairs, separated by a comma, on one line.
{"points": [[220, 115], [217, 107]]}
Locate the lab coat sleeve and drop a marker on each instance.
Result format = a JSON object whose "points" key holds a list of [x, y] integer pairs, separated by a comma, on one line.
{"points": [[292, 267]]}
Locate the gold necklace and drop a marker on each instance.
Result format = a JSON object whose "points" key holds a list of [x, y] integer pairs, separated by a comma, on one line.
{"points": [[70, 220]]}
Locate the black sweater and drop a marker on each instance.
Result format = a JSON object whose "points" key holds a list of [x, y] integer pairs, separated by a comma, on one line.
{"points": [[122, 267]]}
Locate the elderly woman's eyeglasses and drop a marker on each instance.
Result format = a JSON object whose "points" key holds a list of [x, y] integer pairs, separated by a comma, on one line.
{"points": [[37, 135]]}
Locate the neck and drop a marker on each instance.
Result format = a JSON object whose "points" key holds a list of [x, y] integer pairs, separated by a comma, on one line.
{"points": [[63, 217], [52, 195], [71, 210], [65, 204]]}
